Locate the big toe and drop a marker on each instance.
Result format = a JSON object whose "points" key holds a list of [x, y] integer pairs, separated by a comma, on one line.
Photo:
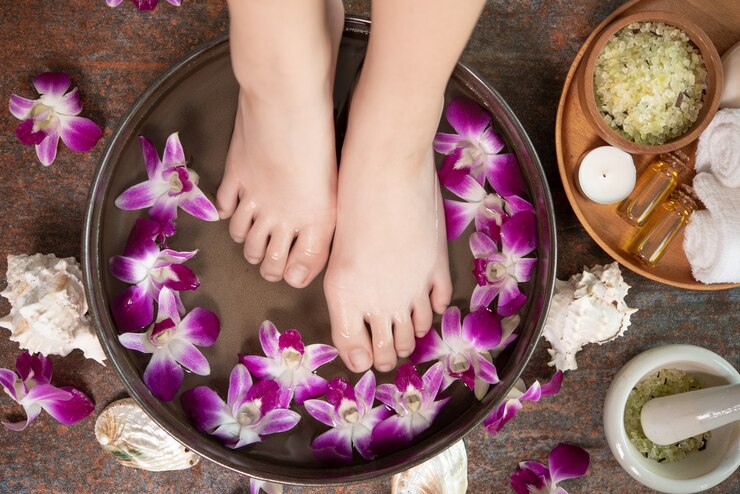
{"points": [[308, 256], [351, 339], [227, 197], [441, 292]]}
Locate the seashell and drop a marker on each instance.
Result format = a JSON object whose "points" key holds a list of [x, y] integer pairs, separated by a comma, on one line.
{"points": [[48, 306], [135, 440], [446, 473], [588, 308]]}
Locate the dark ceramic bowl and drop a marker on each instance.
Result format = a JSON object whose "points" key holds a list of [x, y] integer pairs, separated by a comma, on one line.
{"points": [[198, 98]]}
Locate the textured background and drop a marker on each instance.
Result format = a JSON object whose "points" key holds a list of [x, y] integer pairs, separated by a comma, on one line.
{"points": [[524, 48]]}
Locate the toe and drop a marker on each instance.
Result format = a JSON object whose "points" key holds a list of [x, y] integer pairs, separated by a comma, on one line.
{"points": [[256, 241], [241, 221], [403, 336], [441, 292], [227, 197], [308, 256], [351, 339], [422, 317], [384, 352], [276, 255]]}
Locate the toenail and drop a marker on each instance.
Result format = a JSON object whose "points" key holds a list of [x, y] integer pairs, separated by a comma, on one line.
{"points": [[271, 277], [253, 260], [238, 240], [360, 359], [296, 274], [404, 353]]}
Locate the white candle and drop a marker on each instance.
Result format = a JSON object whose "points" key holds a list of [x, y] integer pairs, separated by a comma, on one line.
{"points": [[606, 175]]}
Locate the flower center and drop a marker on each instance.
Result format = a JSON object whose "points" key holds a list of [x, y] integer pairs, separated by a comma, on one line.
{"points": [[174, 183], [413, 399], [349, 412], [493, 206], [291, 357], [471, 156], [495, 271], [249, 413], [43, 117], [161, 339], [459, 363]]}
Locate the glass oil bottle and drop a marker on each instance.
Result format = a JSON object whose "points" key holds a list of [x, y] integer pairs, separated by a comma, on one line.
{"points": [[653, 187], [669, 219]]}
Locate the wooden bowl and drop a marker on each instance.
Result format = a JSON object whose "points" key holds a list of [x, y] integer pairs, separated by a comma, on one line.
{"points": [[712, 63]]}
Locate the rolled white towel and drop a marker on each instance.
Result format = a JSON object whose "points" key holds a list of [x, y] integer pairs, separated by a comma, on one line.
{"points": [[718, 150], [712, 237]]}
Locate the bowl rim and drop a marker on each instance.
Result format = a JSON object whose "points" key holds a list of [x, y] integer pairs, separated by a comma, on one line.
{"points": [[91, 262], [712, 63], [616, 399]]}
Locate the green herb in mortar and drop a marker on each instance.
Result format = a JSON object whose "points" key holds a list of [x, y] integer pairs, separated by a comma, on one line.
{"points": [[663, 383]]}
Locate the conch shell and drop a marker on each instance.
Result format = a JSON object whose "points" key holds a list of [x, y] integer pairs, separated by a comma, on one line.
{"points": [[446, 473], [135, 440], [588, 308], [48, 306]]}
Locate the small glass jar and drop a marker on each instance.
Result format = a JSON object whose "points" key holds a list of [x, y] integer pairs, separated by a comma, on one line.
{"points": [[653, 187], [668, 220]]}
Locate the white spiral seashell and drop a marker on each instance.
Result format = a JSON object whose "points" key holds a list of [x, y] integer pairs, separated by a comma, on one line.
{"points": [[446, 473], [135, 440], [48, 307], [588, 308]]}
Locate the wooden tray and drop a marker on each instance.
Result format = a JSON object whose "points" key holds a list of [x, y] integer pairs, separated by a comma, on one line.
{"points": [[720, 19]]}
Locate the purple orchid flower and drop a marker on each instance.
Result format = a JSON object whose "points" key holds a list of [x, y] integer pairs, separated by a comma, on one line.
{"points": [[149, 270], [53, 115], [142, 4], [465, 349], [499, 273], [413, 399], [508, 409], [289, 362], [170, 185], [474, 148], [250, 412], [32, 389], [269, 487], [350, 413], [171, 341], [565, 461], [489, 210]]}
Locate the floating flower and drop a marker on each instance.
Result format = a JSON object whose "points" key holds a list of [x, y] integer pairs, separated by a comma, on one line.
{"points": [[465, 349], [149, 270], [489, 210], [350, 413], [413, 399], [32, 389], [171, 341], [269, 487], [508, 409], [499, 273], [289, 362], [142, 4], [250, 412], [52, 116], [170, 185], [474, 148], [565, 461]]}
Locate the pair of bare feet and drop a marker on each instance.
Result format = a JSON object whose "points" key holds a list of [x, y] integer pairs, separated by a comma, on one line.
{"points": [[387, 264]]}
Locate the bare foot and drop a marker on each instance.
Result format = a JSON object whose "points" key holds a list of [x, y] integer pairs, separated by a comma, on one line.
{"points": [[279, 185], [389, 266]]}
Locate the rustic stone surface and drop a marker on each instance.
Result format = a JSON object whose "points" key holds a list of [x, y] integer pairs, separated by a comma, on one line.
{"points": [[523, 47]]}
